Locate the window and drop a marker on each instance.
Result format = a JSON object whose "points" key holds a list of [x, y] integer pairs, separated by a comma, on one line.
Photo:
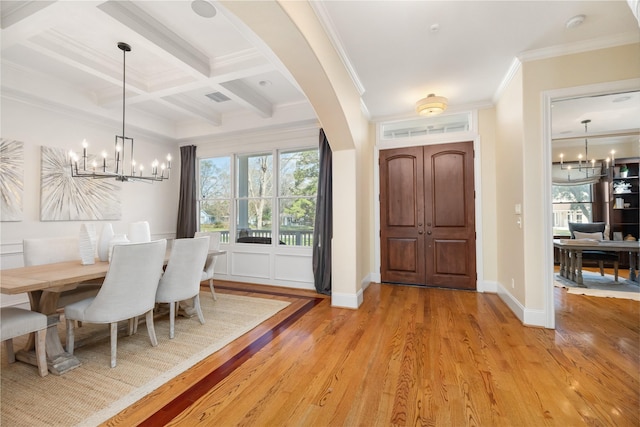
{"points": [[254, 205], [297, 196], [215, 195], [571, 203], [274, 195]]}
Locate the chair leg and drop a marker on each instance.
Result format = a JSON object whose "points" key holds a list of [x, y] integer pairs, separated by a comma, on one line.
{"points": [[601, 265], [196, 304], [130, 326], [41, 354], [70, 336], [114, 343], [172, 319], [213, 292], [8, 345], [150, 328]]}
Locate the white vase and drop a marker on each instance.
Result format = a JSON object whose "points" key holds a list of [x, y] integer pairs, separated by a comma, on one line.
{"points": [[139, 232], [103, 244], [86, 244], [118, 239]]}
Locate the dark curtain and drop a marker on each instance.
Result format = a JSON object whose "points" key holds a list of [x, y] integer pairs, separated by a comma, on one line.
{"points": [[187, 212], [323, 231]]}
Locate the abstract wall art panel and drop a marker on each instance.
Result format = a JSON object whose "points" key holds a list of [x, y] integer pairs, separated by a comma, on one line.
{"points": [[64, 198], [11, 179]]}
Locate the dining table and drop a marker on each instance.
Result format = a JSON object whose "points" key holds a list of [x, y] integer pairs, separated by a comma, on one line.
{"points": [[43, 285], [571, 255]]}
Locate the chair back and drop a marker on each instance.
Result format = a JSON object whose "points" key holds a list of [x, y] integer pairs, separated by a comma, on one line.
{"points": [[214, 245], [129, 289], [181, 279], [586, 227], [50, 250], [139, 232], [214, 238]]}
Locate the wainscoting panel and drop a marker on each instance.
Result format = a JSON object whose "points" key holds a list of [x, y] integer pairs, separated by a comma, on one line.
{"points": [[250, 264], [296, 268]]}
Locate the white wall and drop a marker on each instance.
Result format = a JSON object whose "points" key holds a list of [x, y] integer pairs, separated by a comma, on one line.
{"points": [[37, 127]]}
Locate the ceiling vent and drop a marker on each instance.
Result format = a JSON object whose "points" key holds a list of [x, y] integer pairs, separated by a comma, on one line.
{"points": [[218, 97]]}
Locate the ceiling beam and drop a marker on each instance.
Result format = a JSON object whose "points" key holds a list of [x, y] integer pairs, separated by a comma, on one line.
{"points": [[153, 30], [244, 95]]}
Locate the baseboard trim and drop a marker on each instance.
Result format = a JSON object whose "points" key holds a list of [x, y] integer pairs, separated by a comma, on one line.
{"points": [[528, 316], [347, 300], [488, 286]]}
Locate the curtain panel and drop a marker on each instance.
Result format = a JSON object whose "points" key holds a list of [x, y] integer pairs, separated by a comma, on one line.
{"points": [[187, 211], [574, 176], [323, 230]]}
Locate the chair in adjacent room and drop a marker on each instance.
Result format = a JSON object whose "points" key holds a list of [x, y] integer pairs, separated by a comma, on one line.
{"points": [[214, 245], [15, 322], [181, 279], [596, 231], [128, 291]]}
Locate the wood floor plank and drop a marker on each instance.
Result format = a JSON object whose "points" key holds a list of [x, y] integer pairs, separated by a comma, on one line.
{"points": [[419, 356]]}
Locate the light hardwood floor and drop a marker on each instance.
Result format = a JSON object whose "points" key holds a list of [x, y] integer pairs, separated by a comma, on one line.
{"points": [[413, 356]]}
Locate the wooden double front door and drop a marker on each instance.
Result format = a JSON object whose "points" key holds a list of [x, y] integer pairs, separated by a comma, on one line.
{"points": [[427, 216]]}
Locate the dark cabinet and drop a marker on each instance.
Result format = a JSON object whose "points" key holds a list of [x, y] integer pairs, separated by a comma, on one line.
{"points": [[624, 209], [624, 205]]}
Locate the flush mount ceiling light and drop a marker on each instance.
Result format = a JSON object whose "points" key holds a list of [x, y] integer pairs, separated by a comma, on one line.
{"points": [[203, 8], [431, 105]]}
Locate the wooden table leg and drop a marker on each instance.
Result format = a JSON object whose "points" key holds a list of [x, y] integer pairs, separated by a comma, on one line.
{"points": [[632, 265], [579, 267], [58, 360], [572, 265], [563, 265]]}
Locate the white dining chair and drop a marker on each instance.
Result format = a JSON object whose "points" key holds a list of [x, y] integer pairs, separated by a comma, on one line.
{"points": [[129, 291], [181, 279], [15, 322], [214, 245]]}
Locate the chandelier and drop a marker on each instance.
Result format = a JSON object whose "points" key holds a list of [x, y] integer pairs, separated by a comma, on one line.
{"points": [[123, 169], [586, 168]]}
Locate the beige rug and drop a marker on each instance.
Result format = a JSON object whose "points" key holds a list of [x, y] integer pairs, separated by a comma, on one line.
{"points": [[94, 392], [600, 286]]}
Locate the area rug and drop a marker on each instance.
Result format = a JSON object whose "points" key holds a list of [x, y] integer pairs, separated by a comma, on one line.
{"points": [[94, 392], [600, 286]]}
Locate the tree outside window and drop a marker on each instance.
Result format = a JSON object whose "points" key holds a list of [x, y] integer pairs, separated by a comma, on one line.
{"points": [[215, 195], [297, 196], [571, 203], [254, 189]]}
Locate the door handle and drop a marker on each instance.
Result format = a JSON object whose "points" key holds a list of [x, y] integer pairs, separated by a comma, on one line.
{"points": [[420, 232], [429, 232], [428, 224]]}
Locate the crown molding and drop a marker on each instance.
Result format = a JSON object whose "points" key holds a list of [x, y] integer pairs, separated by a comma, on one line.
{"points": [[511, 72], [579, 47], [329, 28]]}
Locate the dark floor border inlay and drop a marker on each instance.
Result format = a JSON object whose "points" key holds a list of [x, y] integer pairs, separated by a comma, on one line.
{"points": [[199, 389]]}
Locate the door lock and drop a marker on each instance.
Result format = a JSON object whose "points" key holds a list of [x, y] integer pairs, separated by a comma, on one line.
{"points": [[420, 232]]}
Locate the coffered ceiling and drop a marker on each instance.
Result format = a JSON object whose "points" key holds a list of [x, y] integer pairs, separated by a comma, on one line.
{"points": [[191, 74]]}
